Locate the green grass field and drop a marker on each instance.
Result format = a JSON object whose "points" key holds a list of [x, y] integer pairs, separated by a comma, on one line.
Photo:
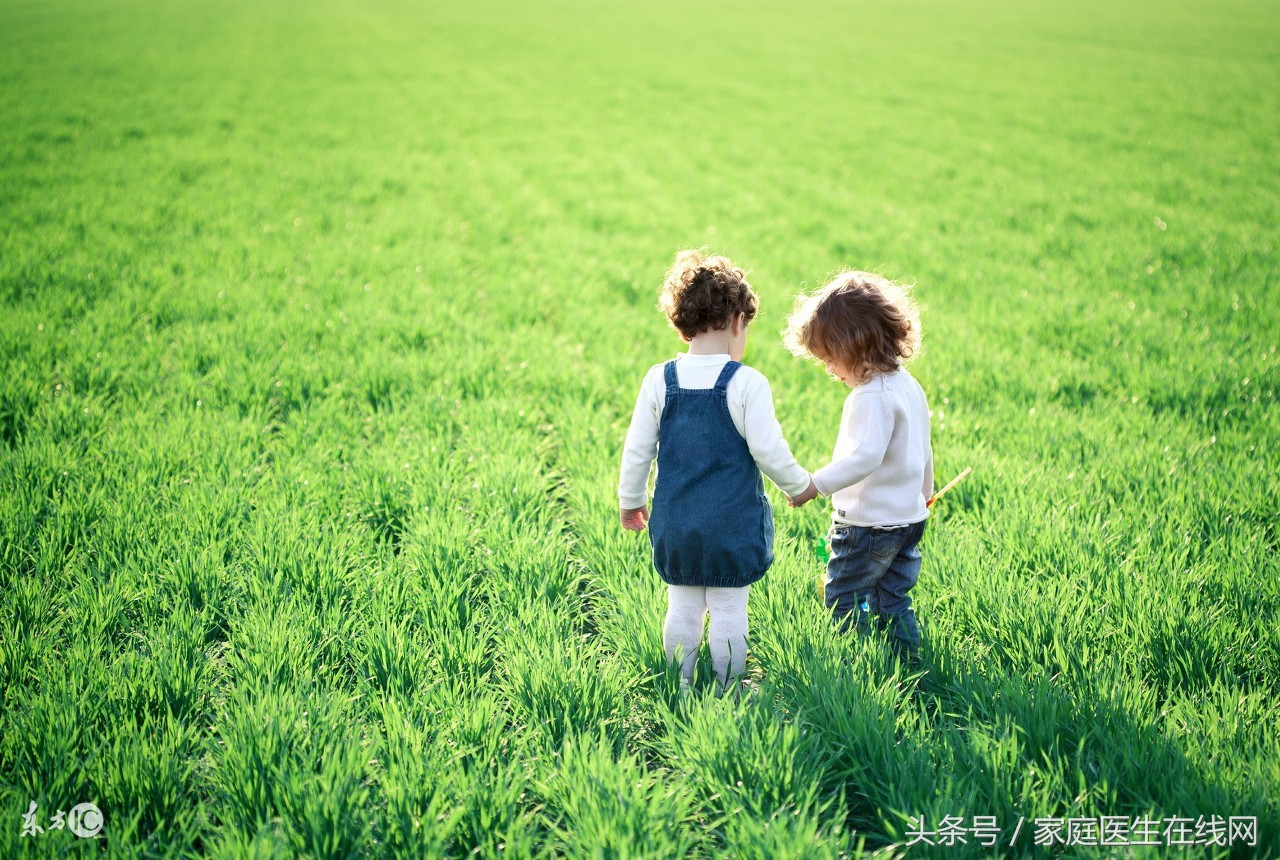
{"points": [[322, 324]]}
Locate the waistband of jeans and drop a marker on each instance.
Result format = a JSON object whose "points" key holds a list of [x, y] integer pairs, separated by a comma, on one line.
{"points": [[837, 522]]}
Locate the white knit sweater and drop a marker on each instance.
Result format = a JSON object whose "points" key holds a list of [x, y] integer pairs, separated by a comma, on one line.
{"points": [[881, 473], [750, 405]]}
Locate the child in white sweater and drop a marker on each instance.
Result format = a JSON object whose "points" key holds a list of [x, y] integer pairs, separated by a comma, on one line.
{"points": [[709, 422], [862, 326]]}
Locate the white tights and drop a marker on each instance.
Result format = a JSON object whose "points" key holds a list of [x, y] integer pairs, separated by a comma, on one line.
{"points": [[687, 606]]}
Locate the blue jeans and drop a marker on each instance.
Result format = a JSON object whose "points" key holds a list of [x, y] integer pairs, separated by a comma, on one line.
{"points": [[871, 571]]}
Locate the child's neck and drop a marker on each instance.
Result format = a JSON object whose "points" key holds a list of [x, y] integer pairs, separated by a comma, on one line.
{"points": [[871, 373], [710, 343]]}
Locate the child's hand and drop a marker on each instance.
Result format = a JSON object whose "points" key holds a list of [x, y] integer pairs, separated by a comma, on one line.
{"points": [[808, 495], [634, 520]]}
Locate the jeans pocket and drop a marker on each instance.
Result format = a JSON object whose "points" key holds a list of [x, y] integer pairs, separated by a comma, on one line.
{"points": [[844, 532], [885, 543], [848, 541]]}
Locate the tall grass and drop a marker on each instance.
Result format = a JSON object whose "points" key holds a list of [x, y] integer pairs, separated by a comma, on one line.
{"points": [[322, 326]]}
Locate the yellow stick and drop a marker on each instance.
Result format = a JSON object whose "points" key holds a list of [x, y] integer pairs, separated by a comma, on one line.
{"points": [[957, 479]]}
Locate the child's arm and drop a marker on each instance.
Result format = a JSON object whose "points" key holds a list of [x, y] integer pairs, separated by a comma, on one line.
{"points": [[804, 498], [869, 423], [765, 441], [635, 520], [638, 453]]}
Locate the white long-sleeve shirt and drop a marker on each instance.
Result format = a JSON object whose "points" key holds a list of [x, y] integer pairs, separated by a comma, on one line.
{"points": [[881, 472], [750, 403]]}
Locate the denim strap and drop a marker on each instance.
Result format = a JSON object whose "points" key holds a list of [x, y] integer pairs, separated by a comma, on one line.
{"points": [[669, 374], [730, 368]]}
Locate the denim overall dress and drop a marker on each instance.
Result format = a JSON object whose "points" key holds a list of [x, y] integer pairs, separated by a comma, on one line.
{"points": [[711, 523]]}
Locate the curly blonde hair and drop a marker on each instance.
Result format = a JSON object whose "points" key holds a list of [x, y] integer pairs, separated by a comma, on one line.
{"points": [[860, 319], [704, 293]]}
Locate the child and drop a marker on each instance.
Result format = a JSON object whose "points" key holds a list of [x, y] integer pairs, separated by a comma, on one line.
{"points": [[861, 326], [709, 420]]}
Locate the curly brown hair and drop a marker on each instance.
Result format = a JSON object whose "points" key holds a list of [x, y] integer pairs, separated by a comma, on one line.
{"points": [[862, 320], [705, 293]]}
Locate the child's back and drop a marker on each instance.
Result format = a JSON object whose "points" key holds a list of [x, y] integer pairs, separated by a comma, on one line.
{"points": [[711, 524], [884, 428], [862, 327], [709, 422]]}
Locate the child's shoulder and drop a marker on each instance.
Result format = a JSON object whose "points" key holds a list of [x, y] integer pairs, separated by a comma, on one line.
{"points": [[656, 376], [747, 373], [879, 383], [660, 368], [899, 380], [904, 380], [899, 387]]}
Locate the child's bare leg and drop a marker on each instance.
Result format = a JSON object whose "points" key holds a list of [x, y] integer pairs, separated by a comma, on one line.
{"points": [[727, 635], [682, 630]]}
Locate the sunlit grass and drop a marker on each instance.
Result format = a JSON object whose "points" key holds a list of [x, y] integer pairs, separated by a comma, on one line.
{"points": [[322, 326]]}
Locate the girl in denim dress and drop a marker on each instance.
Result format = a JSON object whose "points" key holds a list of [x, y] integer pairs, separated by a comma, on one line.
{"points": [[709, 421], [862, 327]]}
